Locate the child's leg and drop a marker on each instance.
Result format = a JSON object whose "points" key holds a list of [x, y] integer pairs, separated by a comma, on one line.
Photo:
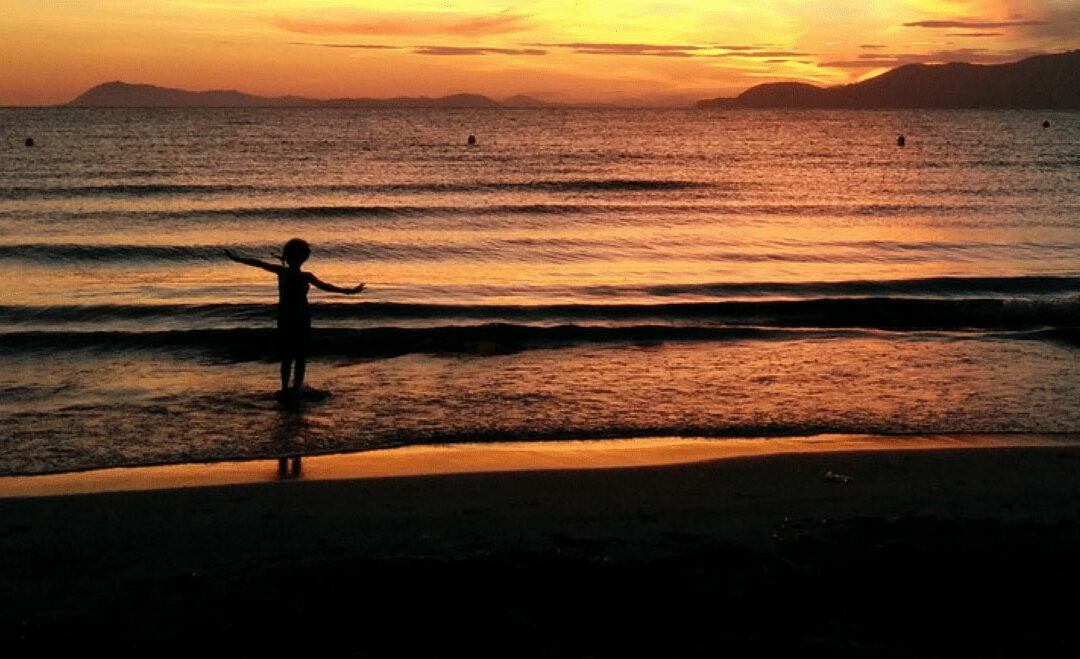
{"points": [[286, 366], [301, 366]]}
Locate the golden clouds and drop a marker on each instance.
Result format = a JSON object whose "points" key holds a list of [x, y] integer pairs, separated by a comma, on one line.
{"points": [[574, 49]]}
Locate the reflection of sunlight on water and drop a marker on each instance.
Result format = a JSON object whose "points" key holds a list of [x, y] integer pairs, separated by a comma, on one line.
{"points": [[740, 388], [297, 418], [597, 198], [287, 436], [593, 207]]}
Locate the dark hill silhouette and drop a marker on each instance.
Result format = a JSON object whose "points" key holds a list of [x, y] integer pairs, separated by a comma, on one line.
{"points": [[1040, 82], [122, 94], [523, 101]]}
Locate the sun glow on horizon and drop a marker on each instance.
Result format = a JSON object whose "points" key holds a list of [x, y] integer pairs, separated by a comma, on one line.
{"points": [[590, 50]]}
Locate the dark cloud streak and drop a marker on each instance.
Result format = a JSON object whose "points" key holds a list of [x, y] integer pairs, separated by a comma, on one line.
{"points": [[742, 47], [358, 46], [973, 25], [764, 54], [455, 51], [429, 50], [648, 49], [969, 55], [671, 50]]}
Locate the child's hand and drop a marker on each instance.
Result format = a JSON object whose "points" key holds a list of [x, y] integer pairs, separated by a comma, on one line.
{"points": [[355, 289]]}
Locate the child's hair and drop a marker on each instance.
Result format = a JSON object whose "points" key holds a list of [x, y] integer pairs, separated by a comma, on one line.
{"points": [[296, 251]]}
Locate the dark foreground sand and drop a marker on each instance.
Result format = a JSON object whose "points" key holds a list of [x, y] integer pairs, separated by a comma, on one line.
{"points": [[959, 552]]}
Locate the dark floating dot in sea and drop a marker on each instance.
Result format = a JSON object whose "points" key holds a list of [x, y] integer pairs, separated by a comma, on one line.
{"points": [[900, 141], [29, 141], [1046, 124], [472, 139]]}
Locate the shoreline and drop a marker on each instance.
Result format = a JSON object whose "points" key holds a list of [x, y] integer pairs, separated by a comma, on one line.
{"points": [[963, 549], [450, 459]]}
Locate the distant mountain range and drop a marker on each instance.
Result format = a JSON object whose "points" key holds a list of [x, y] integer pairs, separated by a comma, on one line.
{"points": [[1040, 82], [126, 95]]}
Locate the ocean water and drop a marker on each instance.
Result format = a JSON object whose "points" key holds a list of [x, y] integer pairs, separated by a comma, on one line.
{"points": [[575, 274]]}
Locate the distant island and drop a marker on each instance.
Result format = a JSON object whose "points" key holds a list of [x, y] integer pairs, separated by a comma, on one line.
{"points": [[126, 95], [1040, 82]]}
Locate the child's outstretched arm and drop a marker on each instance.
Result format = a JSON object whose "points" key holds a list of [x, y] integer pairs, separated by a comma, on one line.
{"points": [[253, 262], [318, 283]]}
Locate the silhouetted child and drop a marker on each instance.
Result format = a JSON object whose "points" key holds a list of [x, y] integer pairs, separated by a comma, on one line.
{"points": [[294, 320]]}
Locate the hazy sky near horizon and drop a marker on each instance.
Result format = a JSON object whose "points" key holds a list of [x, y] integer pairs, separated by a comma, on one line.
{"points": [[574, 50]]}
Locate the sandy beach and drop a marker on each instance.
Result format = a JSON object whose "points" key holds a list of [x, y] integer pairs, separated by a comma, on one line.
{"points": [[932, 550]]}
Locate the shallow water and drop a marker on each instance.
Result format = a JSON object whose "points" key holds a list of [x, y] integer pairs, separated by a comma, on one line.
{"points": [[592, 273]]}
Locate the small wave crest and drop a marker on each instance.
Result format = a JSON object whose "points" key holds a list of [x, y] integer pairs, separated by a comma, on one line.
{"points": [[488, 331], [876, 313], [931, 286], [61, 254], [243, 344], [122, 190], [138, 190]]}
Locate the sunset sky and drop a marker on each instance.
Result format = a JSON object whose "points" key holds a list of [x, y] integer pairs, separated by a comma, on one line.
{"points": [[585, 50]]}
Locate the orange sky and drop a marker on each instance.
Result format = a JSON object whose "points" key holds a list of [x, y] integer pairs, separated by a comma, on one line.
{"points": [[569, 50]]}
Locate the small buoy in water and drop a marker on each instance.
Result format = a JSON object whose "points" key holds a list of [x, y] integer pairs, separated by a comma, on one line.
{"points": [[900, 141], [472, 139], [1046, 124], [29, 141]]}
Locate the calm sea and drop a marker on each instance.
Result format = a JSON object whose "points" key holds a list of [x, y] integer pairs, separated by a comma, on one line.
{"points": [[575, 274]]}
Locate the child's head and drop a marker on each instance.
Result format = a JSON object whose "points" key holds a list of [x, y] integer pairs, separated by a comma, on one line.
{"points": [[296, 251]]}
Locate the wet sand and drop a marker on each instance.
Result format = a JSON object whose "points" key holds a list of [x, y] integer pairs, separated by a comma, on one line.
{"points": [[950, 551]]}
